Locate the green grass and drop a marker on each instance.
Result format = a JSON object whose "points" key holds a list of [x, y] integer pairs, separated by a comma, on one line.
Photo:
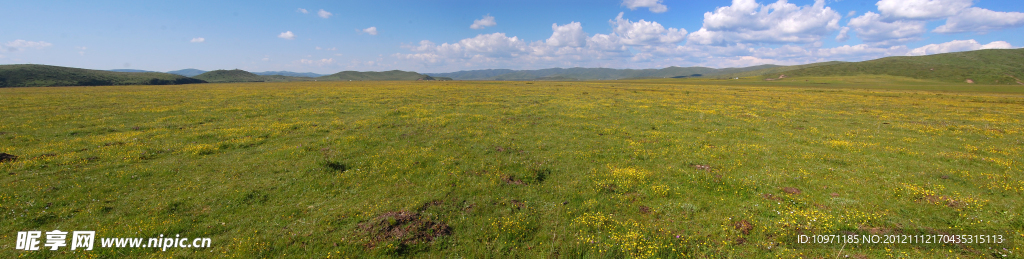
{"points": [[647, 168], [43, 75]]}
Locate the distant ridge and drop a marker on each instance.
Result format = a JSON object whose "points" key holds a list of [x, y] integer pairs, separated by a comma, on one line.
{"points": [[378, 76], [991, 66], [131, 71], [189, 72], [288, 73], [43, 75], [226, 76], [578, 73]]}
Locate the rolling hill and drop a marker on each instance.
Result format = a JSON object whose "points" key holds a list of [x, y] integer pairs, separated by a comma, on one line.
{"points": [[226, 76], [43, 75], [992, 66]]}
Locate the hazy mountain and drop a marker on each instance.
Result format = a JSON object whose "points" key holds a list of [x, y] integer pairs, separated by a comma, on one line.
{"points": [[189, 72], [288, 73], [376, 76], [226, 76]]}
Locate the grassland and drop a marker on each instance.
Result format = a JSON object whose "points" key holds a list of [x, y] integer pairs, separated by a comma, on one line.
{"points": [[655, 168]]}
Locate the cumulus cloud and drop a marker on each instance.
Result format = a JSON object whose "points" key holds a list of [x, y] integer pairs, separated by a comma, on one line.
{"points": [[844, 34], [921, 9], [981, 20], [781, 22], [20, 45], [198, 40], [654, 6], [302, 10], [371, 30], [324, 14], [485, 22], [871, 27], [567, 35], [956, 46], [321, 62], [645, 32], [288, 35]]}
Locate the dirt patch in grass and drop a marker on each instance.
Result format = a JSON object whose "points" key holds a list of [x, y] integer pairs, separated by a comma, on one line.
{"points": [[743, 226], [645, 209], [769, 196], [791, 190], [508, 179], [403, 227], [945, 200], [702, 167]]}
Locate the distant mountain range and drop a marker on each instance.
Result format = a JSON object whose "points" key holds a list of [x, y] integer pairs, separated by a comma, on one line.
{"points": [[994, 66], [189, 72], [578, 73], [288, 73]]}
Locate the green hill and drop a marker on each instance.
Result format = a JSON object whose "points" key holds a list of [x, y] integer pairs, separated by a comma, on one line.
{"points": [[992, 66], [229, 76], [396, 75], [773, 69], [43, 75]]}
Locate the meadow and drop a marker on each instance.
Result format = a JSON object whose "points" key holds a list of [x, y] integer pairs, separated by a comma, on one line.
{"points": [[591, 169]]}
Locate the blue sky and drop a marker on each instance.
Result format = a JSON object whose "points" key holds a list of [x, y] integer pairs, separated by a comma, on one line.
{"points": [[444, 36]]}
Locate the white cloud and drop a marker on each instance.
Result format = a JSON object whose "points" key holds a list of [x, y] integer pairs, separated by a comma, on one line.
{"points": [[844, 34], [780, 22], [321, 62], [981, 20], [645, 32], [871, 27], [567, 35], [302, 10], [332, 48], [324, 14], [19, 45], [485, 22], [654, 6], [81, 50], [371, 30], [956, 46], [288, 35], [851, 13], [198, 40], [921, 9], [318, 48]]}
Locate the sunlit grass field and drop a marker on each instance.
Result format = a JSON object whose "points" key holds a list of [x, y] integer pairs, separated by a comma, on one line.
{"points": [[598, 169]]}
